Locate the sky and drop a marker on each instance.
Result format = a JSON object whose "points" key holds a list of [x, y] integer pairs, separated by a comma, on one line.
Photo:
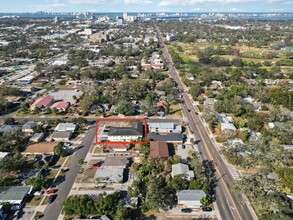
{"points": [[146, 5]]}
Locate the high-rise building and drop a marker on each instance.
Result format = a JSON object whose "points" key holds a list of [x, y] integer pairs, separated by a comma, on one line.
{"points": [[125, 16]]}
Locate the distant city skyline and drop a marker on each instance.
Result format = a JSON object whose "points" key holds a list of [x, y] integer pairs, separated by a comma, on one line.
{"points": [[146, 6]]}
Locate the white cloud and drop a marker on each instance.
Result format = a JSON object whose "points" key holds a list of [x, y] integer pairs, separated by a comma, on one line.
{"points": [[234, 10], [192, 2], [197, 9], [95, 2], [138, 2], [46, 7]]}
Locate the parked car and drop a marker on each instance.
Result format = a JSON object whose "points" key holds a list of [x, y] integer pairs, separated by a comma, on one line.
{"points": [[186, 210], [67, 144], [50, 191], [97, 165], [15, 207], [38, 193], [38, 215], [52, 198], [196, 113], [188, 110], [206, 209]]}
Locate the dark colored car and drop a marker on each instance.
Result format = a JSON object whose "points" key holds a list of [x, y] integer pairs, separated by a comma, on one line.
{"points": [[188, 110], [52, 198], [187, 210], [196, 113], [97, 165], [206, 209]]}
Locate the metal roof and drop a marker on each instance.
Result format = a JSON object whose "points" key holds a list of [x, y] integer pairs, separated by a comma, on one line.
{"points": [[191, 195], [12, 193]]}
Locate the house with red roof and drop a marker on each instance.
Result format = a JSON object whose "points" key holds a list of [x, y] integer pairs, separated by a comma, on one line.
{"points": [[43, 102], [159, 149], [117, 147], [60, 106]]}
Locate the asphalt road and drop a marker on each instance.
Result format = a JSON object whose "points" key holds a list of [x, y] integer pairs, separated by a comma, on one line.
{"points": [[53, 210], [229, 205]]}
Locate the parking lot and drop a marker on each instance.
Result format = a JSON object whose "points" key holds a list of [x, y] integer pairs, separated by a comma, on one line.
{"points": [[182, 150], [66, 95]]}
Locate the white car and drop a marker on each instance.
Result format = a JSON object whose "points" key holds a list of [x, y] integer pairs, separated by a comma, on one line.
{"points": [[15, 207], [38, 193], [67, 144]]}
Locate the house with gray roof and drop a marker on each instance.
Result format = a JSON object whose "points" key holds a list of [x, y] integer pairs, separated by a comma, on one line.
{"points": [[126, 134], [115, 162], [112, 170], [61, 135], [182, 169], [8, 128], [167, 137], [29, 127], [190, 198], [209, 101], [14, 194], [66, 127]]}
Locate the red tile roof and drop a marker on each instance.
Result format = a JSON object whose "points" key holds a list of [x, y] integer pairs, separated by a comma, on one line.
{"points": [[60, 105], [43, 102], [159, 149]]}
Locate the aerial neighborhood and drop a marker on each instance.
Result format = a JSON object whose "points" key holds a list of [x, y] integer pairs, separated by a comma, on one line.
{"points": [[146, 116]]}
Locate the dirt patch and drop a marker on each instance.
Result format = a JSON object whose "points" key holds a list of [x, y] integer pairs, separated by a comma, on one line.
{"points": [[42, 147]]}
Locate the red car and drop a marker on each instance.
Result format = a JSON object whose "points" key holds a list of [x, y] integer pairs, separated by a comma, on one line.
{"points": [[50, 191], [97, 165]]}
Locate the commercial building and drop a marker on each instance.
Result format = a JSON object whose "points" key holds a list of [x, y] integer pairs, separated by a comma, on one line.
{"points": [[126, 134]]}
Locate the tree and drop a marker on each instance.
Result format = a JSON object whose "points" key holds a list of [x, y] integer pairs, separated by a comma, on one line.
{"points": [[80, 161], [125, 108], [38, 182], [9, 121], [59, 150], [206, 201], [179, 183]]}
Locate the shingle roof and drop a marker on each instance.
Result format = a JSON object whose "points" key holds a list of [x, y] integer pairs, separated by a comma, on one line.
{"points": [[135, 130], [29, 125], [115, 161], [7, 128], [45, 101], [112, 174], [171, 137], [159, 149], [60, 105], [182, 169], [61, 134], [191, 195], [8, 193]]}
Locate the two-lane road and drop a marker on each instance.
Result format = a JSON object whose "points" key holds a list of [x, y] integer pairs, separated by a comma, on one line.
{"points": [[229, 205], [53, 210]]}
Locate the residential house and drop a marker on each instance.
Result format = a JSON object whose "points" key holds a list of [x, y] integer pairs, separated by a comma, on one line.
{"points": [[43, 102], [29, 127], [209, 101], [66, 127], [117, 147], [190, 198], [182, 169], [8, 128], [159, 149], [167, 137], [61, 135], [112, 170], [126, 134], [37, 137], [164, 127], [14, 194], [60, 106], [226, 125]]}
